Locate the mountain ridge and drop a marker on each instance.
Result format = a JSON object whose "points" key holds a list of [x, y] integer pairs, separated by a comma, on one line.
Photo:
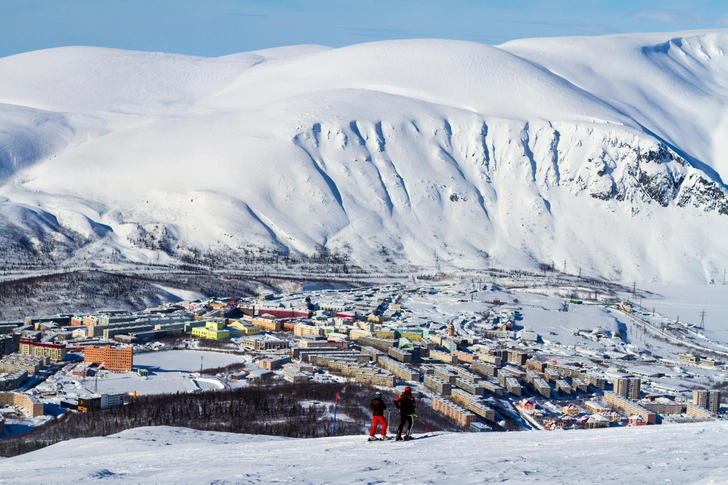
{"points": [[409, 154]]}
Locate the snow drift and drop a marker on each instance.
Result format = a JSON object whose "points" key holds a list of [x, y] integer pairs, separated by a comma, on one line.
{"points": [[603, 155]]}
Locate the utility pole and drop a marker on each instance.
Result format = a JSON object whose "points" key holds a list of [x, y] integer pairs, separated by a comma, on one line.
{"points": [[201, 357], [634, 288], [702, 320]]}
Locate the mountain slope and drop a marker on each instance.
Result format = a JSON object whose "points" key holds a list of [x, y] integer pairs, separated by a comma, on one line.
{"points": [[601, 155], [690, 453]]}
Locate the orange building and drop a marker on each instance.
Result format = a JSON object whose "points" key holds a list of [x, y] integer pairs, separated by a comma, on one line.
{"points": [[117, 359]]}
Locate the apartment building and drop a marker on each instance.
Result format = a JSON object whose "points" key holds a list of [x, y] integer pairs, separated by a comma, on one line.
{"points": [[55, 352], [437, 385], [9, 343], [29, 403], [457, 413], [625, 405], [628, 387], [709, 400], [12, 380], [115, 359], [32, 364]]}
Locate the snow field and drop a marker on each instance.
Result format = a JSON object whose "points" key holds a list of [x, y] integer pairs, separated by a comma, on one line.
{"points": [[658, 454]]}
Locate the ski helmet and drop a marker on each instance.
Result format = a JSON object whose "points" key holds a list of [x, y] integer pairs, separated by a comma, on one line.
{"points": [[407, 389], [377, 394]]}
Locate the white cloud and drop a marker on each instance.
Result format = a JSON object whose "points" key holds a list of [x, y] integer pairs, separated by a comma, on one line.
{"points": [[661, 16], [669, 16]]}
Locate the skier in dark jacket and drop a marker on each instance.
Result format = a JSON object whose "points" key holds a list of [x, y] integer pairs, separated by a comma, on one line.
{"points": [[406, 405], [377, 405]]}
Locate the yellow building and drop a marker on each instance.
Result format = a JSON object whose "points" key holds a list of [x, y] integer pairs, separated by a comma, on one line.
{"points": [[267, 324], [243, 329], [211, 331], [31, 404]]}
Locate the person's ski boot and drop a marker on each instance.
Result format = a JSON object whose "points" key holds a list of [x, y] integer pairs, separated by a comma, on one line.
{"points": [[373, 438], [399, 438], [385, 438]]}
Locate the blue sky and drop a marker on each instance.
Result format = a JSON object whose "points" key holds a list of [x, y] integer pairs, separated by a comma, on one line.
{"points": [[219, 27]]}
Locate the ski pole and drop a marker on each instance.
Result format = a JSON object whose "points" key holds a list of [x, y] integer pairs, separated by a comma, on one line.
{"points": [[424, 424], [336, 401]]}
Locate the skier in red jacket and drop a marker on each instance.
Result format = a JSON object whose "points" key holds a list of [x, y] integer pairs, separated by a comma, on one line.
{"points": [[377, 405], [406, 405]]}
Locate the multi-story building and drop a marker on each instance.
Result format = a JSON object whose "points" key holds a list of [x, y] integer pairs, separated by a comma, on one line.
{"points": [[535, 365], [468, 376], [402, 355], [579, 384], [542, 387], [13, 380], [490, 359], [470, 386], [243, 328], [484, 368], [700, 398], [29, 403], [437, 385], [472, 403], [400, 370], [457, 413], [115, 359], [212, 331], [445, 373], [264, 343], [493, 388], [9, 343], [384, 379], [301, 329], [512, 386], [273, 364], [664, 407], [375, 354], [55, 352], [628, 387], [445, 357], [382, 344], [629, 407], [595, 380], [707, 399], [516, 357], [698, 412], [563, 386], [111, 400], [267, 324], [32, 364]]}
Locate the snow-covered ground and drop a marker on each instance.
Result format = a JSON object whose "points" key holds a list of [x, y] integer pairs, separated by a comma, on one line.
{"points": [[169, 371], [688, 301], [693, 453]]}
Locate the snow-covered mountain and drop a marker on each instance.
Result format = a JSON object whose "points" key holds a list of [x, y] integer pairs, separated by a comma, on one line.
{"points": [[690, 453], [603, 154]]}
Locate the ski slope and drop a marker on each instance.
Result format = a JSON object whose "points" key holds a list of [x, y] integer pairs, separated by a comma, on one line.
{"points": [[605, 155], [692, 453]]}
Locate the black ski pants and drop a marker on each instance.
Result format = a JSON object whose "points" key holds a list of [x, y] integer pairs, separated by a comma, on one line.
{"points": [[403, 419]]}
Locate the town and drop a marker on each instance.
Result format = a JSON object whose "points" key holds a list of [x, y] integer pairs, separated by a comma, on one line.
{"points": [[485, 356]]}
